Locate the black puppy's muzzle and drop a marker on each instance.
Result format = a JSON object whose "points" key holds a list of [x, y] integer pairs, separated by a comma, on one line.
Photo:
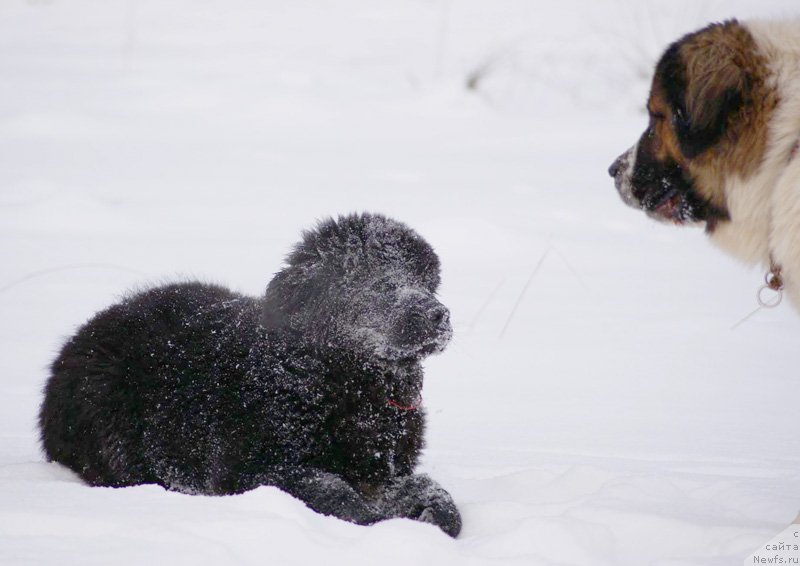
{"points": [[424, 323], [439, 318], [428, 323]]}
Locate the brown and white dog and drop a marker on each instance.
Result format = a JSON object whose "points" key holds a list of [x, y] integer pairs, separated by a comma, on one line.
{"points": [[721, 146]]}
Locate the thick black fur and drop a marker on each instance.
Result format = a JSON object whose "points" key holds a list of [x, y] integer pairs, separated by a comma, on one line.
{"points": [[203, 390]]}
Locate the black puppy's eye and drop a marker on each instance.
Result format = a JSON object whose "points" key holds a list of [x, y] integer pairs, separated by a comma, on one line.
{"points": [[657, 116]]}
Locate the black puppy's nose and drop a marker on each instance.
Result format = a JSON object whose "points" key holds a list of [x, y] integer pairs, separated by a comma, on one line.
{"points": [[619, 164], [440, 316]]}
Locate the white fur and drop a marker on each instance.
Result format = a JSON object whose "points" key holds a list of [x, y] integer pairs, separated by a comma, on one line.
{"points": [[765, 207]]}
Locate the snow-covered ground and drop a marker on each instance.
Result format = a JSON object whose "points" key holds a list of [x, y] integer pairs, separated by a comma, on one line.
{"points": [[596, 407]]}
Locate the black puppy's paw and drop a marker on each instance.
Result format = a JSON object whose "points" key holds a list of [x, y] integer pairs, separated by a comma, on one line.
{"points": [[419, 497], [445, 516], [325, 493]]}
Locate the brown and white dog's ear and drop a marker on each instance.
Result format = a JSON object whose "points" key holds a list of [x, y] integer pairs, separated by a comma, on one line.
{"points": [[711, 98], [714, 84]]}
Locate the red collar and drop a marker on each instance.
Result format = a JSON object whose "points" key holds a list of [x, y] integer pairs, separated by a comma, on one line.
{"points": [[413, 407]]}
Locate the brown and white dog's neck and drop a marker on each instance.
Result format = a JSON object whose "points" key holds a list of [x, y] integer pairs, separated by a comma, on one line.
{"points": [[755, 202]]}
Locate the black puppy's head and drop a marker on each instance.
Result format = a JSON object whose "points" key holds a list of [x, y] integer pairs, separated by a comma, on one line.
{"points": [[706, 123], [364, 283]]}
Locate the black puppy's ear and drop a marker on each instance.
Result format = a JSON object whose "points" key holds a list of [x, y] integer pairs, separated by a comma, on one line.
{"points": [[276, 300], [272, 319], [291, 296], [714, 91]]}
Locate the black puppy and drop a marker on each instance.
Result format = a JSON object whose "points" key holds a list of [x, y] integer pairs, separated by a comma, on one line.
{"points": [[314, 388]]}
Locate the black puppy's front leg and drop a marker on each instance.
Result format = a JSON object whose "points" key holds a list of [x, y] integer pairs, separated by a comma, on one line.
{"points": [[419, 497], [323, 492]]}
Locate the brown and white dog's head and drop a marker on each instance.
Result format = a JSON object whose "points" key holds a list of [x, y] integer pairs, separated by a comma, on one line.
{"points": [[708, 112]]}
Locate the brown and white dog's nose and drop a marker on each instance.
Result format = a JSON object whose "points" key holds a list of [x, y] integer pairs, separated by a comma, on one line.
{"points": [[619, 165]]}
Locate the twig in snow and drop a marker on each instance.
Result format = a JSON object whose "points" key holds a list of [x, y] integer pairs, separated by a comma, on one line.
{"points": [[569, 266], [524, 291], [484, 306]]}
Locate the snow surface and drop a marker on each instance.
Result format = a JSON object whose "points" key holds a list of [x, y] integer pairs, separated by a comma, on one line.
{"points": [[595, 407]]}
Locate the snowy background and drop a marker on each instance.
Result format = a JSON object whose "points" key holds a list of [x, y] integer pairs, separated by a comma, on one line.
{"points": [[595, 407]]}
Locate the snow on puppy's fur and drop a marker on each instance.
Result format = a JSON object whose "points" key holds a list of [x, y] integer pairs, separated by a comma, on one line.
{"points": [[313, 388]]}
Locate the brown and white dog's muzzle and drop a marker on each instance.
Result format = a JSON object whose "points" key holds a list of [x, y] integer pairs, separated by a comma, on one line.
{"points": [[622, 171]]}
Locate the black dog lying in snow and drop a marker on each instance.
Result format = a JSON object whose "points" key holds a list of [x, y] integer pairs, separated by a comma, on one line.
{"points": [[313, 388]]}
